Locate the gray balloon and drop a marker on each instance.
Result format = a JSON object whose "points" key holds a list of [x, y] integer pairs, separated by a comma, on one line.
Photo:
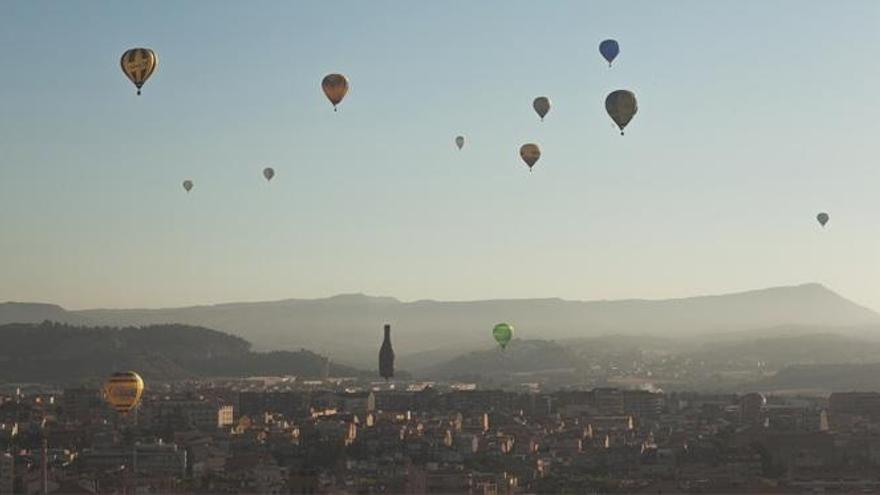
{"points": [[268, 173], [822, 218], [541, 106], [622, 106], [459, 141]]}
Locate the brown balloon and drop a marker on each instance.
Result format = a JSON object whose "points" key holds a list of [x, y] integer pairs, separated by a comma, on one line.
{"points": [[335, 86], [530, 153], [138, 64]]}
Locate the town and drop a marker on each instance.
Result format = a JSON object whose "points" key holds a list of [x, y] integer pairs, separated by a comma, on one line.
{"points": [[285, 435]]}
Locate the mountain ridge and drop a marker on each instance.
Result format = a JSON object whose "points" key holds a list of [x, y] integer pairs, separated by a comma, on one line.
{"points": [[348, 326]]}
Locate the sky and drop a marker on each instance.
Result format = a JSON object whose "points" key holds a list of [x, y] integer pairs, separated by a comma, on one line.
{"points": [[753, 117]]}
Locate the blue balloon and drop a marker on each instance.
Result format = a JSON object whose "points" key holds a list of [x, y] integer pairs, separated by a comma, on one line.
{"points": [[609, 49]]}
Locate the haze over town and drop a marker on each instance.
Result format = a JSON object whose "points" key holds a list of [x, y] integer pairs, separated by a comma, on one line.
{"points": [[493, 248]]}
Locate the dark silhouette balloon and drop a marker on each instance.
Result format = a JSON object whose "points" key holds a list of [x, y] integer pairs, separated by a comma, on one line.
{"points": [[609, 50], [622, 106], [541, 106]]}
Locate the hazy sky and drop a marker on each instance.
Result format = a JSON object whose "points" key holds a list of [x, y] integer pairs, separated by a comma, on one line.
{"points": [[753, 116]]}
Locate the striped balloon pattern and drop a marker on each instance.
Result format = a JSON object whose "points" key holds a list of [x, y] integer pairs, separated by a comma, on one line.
{"points": [[138, 64], [123, 391]]}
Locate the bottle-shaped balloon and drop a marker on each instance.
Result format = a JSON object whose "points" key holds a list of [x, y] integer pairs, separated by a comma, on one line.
{"points": [[822, 218], [503, 332], [459, 141], [530, 153], [335, 86], [386, 356], [621, 106], [188, 185], [541, 106], [123, 391], [609, 50], [138, 64], [268, 173]]}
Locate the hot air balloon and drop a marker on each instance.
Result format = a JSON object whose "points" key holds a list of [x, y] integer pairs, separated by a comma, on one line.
{"points": [[609, 49], [622, 106], [335, 86], [123, 391], [268, 173], [822, 218], [386, 356], [530, 153], [139, 64], [188, 185], [503, 332], [459, 141], [542, 106]]}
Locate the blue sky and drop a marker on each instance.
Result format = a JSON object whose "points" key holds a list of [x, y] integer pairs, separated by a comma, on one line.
{"points": [[753, 117]]}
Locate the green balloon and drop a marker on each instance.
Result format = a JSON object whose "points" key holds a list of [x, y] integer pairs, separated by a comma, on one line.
{"points": [[503, 332]]}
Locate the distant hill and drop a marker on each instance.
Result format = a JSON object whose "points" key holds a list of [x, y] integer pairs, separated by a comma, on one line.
{"points": [[824, 378], [521, 356], [349, 327], [779, 352], [60, 353], [15, 312]]}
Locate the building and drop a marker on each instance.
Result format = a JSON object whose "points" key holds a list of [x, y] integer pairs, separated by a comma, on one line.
{"points": [[643, 404], [78, 404], [752, 409], [225, 416], [7, 473], [290, 404], [188, 412], [608, 401], [865, 404]]}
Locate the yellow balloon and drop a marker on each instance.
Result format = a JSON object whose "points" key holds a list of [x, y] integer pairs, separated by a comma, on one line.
{"points": [[123, 391], [335, 86], [138, 64]]}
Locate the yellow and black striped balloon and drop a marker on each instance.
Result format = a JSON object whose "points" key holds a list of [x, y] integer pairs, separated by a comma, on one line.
{"points": [[138, 64], [123, 391]]}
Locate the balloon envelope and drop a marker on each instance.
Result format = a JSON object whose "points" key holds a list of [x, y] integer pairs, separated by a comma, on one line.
{"points": [[123, 390], [268, 173], [541, 106], [822, 218], [459, 141], [335, 86], [138, 64], [622, 106], [530, 153], [609, 50], [188, 185], [503, 332]]}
